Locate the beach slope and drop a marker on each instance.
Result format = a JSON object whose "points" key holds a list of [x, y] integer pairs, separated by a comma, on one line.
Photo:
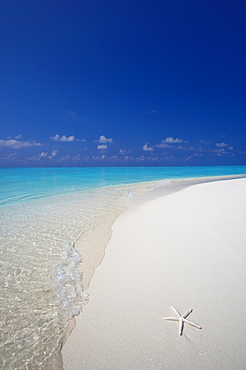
{"points": [[187, 250]]}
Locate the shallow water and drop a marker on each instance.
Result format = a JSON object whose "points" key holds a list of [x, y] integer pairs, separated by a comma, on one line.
{"points": [[41, 283], [42, 213]]}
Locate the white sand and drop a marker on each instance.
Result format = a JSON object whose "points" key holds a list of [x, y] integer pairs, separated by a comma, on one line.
{"points": [[187, 249]]}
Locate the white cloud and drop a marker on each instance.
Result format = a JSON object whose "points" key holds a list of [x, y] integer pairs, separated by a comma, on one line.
{"points": [[185, 148], [67, 138], [63, 158], [33, 158], [221, 145], [54, 153], [153, 159], [123, 151], [43, 154], [220, 152], [140, 159], [103, 139], [76, 158], [163, 145], [55, 138], [102, 147], [147, 148], [18, 136], [168, 158], [9, 156], [198, 154], [224, 145], [17, 144], [134, 159], [171, 140], [63, 138]]}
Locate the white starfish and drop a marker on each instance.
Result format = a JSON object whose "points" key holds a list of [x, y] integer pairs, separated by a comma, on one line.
{"points": [[182, 320]]}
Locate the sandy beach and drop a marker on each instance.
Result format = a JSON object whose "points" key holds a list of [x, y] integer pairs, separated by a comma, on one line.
{"points": [[185, 249]]}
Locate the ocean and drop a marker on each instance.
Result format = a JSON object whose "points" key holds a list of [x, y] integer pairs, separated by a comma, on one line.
{"points": [[44, 212]]}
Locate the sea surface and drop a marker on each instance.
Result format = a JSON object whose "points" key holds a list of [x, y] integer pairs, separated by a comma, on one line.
{"points": [[43, 212]]}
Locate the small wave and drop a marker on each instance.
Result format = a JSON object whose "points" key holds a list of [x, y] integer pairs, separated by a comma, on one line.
{"points": [[67, 284]]}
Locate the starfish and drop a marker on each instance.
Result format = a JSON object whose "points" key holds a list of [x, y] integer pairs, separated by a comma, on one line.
{"points": [[182, 320]]}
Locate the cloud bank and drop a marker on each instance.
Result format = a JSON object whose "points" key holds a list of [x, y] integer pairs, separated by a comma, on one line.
{"points": [[17, 144], [63, 138]]}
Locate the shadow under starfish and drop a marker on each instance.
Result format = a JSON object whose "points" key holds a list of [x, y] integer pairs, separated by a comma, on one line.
{"points": [[182, 320]]}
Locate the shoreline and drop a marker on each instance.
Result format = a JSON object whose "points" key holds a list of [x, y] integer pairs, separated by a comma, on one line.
{"points": [[156, 193], [179, 184]]}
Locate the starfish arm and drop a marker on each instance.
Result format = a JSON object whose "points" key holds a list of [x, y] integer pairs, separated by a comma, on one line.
{"points": [[192, 324], [174, 309], [181, 326], [171, 318], [187, 313]]}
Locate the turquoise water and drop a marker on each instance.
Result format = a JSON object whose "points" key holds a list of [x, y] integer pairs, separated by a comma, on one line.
{"points": [[22, 184], [43, 212]]}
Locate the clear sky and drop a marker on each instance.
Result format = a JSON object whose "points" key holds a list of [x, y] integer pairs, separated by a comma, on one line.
{"points": [[122, 82]]}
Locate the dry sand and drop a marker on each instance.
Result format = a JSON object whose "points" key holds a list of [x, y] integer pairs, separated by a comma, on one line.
{"points": [[186, 250]]}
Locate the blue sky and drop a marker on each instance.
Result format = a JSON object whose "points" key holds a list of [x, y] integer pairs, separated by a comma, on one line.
{"points": [[122, 83]]}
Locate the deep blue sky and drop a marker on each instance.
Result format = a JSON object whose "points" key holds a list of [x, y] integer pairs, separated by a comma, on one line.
{"points": [[122, 82]]}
